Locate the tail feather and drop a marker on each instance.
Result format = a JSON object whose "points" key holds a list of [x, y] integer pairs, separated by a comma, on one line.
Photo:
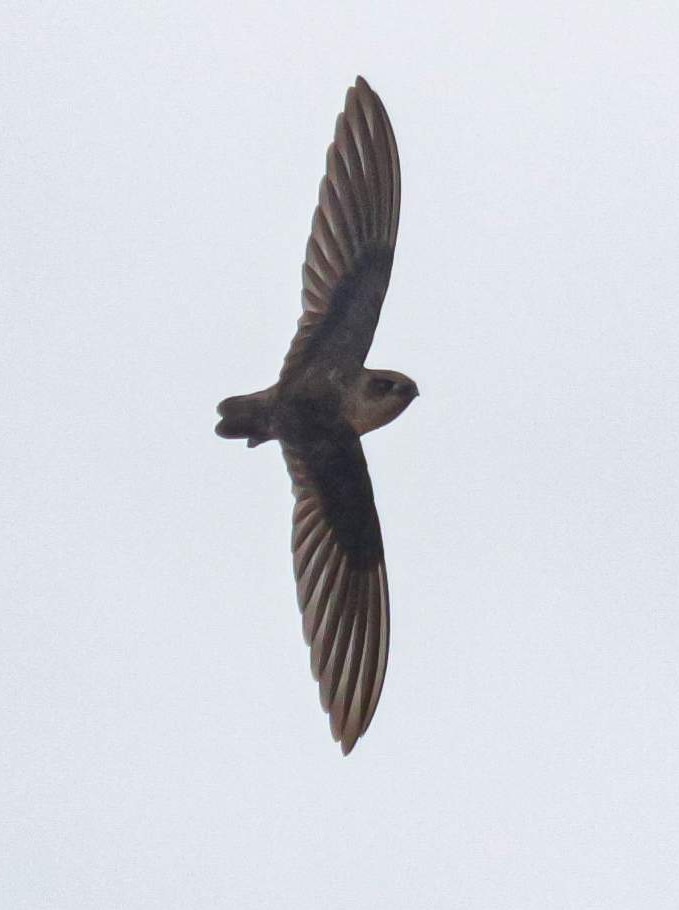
{"points": [[245, 417]]}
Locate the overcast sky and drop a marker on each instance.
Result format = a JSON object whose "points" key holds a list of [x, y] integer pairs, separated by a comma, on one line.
{"points": [[162, 744]]}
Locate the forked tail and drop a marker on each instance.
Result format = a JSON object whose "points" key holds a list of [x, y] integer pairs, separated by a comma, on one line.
{"points": [[245, 417]]}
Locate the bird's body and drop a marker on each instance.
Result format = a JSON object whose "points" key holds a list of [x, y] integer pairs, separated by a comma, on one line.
{"points": [[324, 400], [279, 411]]}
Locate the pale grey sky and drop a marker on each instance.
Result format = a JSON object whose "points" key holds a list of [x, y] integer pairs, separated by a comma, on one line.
{"points": [[162, 744]]}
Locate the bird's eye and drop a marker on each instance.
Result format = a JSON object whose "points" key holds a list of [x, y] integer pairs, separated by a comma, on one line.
{"points": [[382, 386]]}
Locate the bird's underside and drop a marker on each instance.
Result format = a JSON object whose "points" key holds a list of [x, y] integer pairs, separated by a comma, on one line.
{"points": [[322, 402]]}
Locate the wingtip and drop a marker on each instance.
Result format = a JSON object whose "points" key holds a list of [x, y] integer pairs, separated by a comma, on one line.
{"points": [[362, 86], [347, 746]]}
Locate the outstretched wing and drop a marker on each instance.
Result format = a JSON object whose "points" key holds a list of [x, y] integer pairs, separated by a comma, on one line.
{"points": [[351, 247], [341, 578]]}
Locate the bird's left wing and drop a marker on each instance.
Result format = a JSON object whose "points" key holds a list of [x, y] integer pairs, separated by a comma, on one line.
{"points": [[351, 247], [341, 578]]}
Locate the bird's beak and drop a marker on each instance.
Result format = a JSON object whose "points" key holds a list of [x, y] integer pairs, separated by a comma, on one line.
{"points": [[407, 388]]}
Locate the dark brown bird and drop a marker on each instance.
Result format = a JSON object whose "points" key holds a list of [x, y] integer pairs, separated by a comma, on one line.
{"points": [[324, 400]]}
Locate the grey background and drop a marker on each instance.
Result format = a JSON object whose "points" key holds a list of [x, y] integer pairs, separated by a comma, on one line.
{"points": [[162, 745]]}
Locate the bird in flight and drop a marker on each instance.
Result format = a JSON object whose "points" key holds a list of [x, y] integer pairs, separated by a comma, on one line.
{"points": [[324, 400]]}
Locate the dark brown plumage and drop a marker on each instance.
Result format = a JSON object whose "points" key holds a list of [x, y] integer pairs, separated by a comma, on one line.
{"points": [[324, 400]]}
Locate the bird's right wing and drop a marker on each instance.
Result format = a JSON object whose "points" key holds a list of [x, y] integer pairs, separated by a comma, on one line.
{"points": [[341, 578], [351, 247]]}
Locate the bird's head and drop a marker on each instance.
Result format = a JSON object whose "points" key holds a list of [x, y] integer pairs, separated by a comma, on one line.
{"points": [[383, 395]]}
